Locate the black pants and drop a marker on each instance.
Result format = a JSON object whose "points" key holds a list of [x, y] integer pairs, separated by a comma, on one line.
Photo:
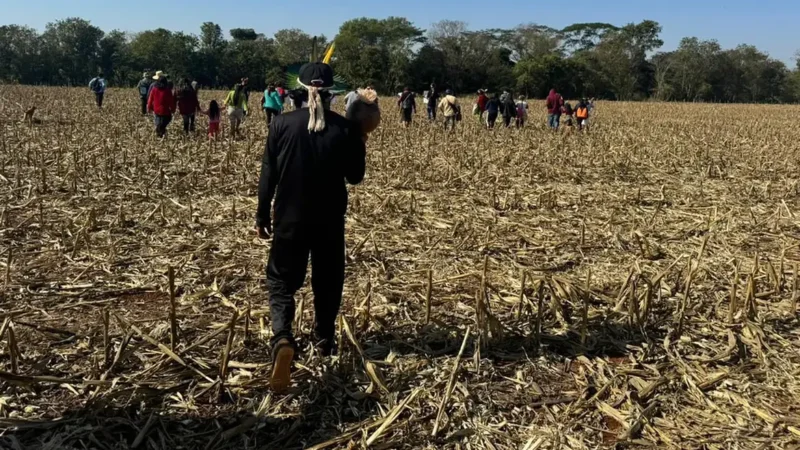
{"points": [[161, 122], [144, 105], [406, 115], [98, 97], [507, 121], [491, 119], [188, 123], [271, 113], [286, 272]]}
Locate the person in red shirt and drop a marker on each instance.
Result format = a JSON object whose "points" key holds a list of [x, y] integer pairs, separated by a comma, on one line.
{"points": [[483, 99], [161, 103], [188, 104], [554, 104]]}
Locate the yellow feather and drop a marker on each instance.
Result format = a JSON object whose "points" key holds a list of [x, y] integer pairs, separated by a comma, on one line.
{"points": [[329, 54]]}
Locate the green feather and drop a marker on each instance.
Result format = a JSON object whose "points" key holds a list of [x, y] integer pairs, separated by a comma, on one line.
{"points": [[340, 86]]}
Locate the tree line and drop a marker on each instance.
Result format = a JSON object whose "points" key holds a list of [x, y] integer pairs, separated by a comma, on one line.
{"points": [[585, 59]]}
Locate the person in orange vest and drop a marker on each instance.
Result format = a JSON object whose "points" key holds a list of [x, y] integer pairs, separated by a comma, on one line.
{"points": [[582, 114]]}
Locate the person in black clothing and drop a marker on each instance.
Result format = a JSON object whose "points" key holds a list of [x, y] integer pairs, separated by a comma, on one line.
{"points": [[492, 110], [433, 101], [408, 106], [508, 109], [309, 155]]}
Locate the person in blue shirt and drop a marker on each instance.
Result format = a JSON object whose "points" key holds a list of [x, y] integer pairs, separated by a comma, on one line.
{"points": [[98, 86], [273, 104], [492, 110]]}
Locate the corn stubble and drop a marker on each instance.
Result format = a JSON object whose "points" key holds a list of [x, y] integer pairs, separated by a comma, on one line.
{"points": [[633, 285]]}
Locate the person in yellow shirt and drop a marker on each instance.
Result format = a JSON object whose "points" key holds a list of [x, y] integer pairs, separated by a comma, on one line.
{"points": [[450, 110], [236, 101]]}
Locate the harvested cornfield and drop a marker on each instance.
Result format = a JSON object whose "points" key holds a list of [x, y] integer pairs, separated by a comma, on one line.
{"points": [[515, 289]]}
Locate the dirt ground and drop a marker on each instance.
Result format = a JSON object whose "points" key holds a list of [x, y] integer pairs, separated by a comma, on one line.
{"points": [[659, 253]]}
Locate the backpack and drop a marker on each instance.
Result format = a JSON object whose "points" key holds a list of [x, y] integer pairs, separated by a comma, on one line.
{"points": [[144, 88], [95, 85], [582, 112], [457, 109]]}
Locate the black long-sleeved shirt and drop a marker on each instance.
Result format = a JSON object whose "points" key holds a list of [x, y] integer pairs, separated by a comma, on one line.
{"points": [[305, 172]]}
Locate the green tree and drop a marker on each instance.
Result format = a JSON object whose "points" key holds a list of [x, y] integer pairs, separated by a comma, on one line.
{"points": [[20, 58], [536, 75], [293, 46], [585, 36], [245, 34], [160, 49], [379, 52], [531, 40], [115, 59], [209, 58], [72, 49]]}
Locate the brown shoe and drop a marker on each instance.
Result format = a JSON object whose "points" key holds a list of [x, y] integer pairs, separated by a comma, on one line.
{"points": [[282, 358]]}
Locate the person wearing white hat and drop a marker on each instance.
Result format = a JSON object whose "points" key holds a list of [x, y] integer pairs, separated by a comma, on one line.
{"points": [[161, 102], [310, 154]]}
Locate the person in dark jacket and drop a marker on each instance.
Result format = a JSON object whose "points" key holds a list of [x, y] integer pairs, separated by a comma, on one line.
{"points": [[492, 110], [310, 154], [508, 109], [161, 103], [554, 104], [433, 102], [408, 106], [144, 89], [187, 104]]}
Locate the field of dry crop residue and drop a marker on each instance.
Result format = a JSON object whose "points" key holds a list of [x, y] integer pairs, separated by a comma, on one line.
{"points": [[511, 289]]}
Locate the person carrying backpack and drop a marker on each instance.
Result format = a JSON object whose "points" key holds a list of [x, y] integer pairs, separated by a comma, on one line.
{"points": [[508, 109], [582, 114], [408, 106], [570, 113], [492, 110], [144, 89], [450, 109], [98, 86]]}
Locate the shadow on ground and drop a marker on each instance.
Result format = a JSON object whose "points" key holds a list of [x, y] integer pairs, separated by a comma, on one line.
{"points": [[328, 405]]}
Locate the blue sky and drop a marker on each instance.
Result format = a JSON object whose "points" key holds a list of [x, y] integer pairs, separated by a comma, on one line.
{"points": [[768, 24]]}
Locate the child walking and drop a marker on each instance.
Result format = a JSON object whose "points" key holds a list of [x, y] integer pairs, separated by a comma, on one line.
{"points": [[214, 117]]}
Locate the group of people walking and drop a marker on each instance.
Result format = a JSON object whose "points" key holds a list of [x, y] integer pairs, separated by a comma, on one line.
{"points": [[161, 98], [577, 116], [435, 102], [489, 109]]}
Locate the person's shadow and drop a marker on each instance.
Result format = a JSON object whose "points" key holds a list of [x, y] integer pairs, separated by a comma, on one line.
{"points": [[333, 403]]}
